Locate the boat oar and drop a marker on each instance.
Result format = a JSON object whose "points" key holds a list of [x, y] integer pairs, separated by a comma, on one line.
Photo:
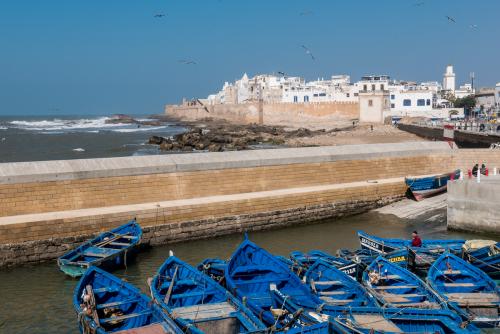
{"points": [[171, 286]]}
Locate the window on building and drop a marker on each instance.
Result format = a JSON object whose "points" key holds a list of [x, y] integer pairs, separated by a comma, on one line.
{"points": [[356, 94], [370, 103], [407, 102], [365, 87], [393, 105], [306, 98], [315, 95], [295, 99], [373, 87], [393, 97], [322, 94], [347, 95], [428, 102], [382, 87], [420, 102]]}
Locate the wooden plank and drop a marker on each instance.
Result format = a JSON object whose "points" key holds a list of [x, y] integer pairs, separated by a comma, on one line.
{"points": [[375, 322], [124, 317], [92, 254], [117, 303], [334, 301], [204, 311], [395, 287], [327, 282], [459, 284], [332, 293], [150, 329]]}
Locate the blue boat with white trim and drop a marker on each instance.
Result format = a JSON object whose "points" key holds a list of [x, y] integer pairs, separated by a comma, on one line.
{"points": [[467, 289], [198, 303], [106, 304], [110, 249], [429, 185]]}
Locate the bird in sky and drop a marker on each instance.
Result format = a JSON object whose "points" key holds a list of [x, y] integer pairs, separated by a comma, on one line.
{"points": [[187, 62], [418, 4], [308, 52], [306, 13], [473, 26], [159, 15], [451, 19], [282, 73]]}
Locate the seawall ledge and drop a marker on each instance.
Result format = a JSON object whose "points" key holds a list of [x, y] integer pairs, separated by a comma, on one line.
{"points": [[60, 170]]}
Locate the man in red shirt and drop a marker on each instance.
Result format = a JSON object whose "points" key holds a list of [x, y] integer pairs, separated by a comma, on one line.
{"points": [[416, 241]]}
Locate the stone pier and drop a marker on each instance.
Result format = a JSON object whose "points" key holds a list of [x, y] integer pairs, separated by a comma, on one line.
{"points": [[474, 206], [48, 207]]}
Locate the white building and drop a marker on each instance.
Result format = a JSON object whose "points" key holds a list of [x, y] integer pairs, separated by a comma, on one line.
{"points": [[497, 96], [463, 91]]}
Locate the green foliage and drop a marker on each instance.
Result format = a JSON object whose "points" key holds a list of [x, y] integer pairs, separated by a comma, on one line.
{"points": [[467, 102]]}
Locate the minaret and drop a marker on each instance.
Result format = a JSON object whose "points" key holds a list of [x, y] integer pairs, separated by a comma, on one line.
{"points": [[449, 79]]}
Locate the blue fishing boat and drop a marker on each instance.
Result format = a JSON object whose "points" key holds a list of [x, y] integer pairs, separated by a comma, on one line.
{"points": [[386, 245], [366, 256], [395, 286], [466, 289], [486, 258], [198, 303], [305, 260], [106, 304], [252, 270], [370, 320], [109, 249], [334, 287], [426, 186]]}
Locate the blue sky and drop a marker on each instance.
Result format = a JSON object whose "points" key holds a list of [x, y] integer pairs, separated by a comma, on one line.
{"points": [[114, 56]]}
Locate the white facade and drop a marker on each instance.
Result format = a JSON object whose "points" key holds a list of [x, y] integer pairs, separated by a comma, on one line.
{"points": [[497, 95], [463, 91], [449, 79]]}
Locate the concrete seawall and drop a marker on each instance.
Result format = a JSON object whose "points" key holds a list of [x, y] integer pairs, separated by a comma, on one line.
{"points": [[49, 207], [474, 206]]}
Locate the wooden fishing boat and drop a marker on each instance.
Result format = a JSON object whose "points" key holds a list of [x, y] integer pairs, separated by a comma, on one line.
{"points": [[486, 258], [334, 287], [366, 256], [106, 304], [425, 186], [249, 274], [370, 320], [466, 288], [305, 260], [109, 249], [198, 303], [386, 245], [394, 286]]}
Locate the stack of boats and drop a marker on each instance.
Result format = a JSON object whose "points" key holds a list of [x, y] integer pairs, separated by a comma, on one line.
{"points": [[387, 286]]}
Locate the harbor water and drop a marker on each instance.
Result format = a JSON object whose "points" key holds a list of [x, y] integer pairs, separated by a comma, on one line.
{"points": [[38, 298]]}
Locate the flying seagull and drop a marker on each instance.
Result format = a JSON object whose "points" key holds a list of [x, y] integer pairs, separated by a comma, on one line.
{"points": [[451, 19], [473, 26], [282, 73], [418, 4], [159, 15], [187, 62], [308, 52], [306, 13]]}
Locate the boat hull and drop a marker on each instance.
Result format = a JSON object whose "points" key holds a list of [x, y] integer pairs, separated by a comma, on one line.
{"points": [[423, 187]]}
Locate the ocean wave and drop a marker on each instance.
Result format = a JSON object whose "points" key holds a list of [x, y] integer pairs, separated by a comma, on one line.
{"points": [[64, 124], [144, 128]]}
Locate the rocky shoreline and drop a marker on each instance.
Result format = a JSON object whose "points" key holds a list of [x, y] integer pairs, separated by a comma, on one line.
{"points": [[218, 136]]}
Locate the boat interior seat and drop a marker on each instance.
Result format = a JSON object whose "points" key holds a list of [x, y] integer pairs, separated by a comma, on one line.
{"points": [[106, 289], [98, 251], [117, 303], [207, 292], [254, 269], [124, 317]]}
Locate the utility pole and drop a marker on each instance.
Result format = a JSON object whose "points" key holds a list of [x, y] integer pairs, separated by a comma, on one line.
{"points": [[472, 80]]}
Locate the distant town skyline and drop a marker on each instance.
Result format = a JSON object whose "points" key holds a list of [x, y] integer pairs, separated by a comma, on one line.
{"points": [[94, 57]]}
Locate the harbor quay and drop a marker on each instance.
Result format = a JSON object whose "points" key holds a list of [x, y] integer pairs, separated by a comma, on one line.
{"points": [[49, 207]]}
